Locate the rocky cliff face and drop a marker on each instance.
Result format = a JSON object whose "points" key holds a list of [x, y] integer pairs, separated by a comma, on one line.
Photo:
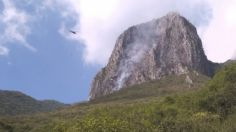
{"points": [[150, 51]]}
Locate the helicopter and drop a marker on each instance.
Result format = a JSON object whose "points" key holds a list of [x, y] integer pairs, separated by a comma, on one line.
{"points": [[73, 32]]}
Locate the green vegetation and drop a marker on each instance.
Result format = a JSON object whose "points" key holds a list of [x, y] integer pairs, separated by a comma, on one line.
{"points": [[166, 85], [207, 109], [15, 103]]}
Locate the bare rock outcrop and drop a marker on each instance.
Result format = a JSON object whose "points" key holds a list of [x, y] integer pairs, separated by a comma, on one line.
{"points": [[150, 51]]}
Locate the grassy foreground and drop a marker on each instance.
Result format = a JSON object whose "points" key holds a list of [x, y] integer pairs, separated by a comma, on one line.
{"points": [[152, 107]]}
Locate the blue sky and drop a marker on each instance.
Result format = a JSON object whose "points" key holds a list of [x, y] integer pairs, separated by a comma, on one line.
{"points": [[55, 70], [40, 57]]}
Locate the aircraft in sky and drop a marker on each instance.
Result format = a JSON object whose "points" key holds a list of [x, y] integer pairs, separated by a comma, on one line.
{"points": [[74, 32]]}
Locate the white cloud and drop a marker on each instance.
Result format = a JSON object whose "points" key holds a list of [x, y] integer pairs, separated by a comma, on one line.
{"points": [[234, 56], [3, 51], [15, 28], [101, 21], [219, 37]]}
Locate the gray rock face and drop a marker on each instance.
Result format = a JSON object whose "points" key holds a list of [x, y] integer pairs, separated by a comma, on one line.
{"points": [[150, 51]]}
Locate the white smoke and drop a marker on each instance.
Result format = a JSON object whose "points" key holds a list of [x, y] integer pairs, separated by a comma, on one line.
{"points": [[134, 53], [124, 75]]}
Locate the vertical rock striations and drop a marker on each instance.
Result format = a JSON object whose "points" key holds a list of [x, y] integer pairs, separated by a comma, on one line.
{"points": [[150, 51]]}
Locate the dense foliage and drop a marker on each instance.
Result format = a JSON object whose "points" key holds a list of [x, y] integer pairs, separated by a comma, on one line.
{"points": [[209, 109], [15, 103]]}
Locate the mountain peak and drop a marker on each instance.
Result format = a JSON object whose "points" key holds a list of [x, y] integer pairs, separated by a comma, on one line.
{"points": [[173, 14], [149, 51]]}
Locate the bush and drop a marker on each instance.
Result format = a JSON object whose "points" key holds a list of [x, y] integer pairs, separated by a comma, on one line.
{"points": [[221, 97]]}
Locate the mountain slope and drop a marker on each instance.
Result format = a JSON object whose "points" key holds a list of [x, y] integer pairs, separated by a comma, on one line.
{"points": [[15, 103], [171, 84], [211, 108], [166, 46]]}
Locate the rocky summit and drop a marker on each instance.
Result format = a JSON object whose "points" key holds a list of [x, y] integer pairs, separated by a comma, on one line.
{"points": [[169, 45]]}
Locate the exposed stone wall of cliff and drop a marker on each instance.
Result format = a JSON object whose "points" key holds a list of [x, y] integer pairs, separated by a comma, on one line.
{"points": [[150, 51]]}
